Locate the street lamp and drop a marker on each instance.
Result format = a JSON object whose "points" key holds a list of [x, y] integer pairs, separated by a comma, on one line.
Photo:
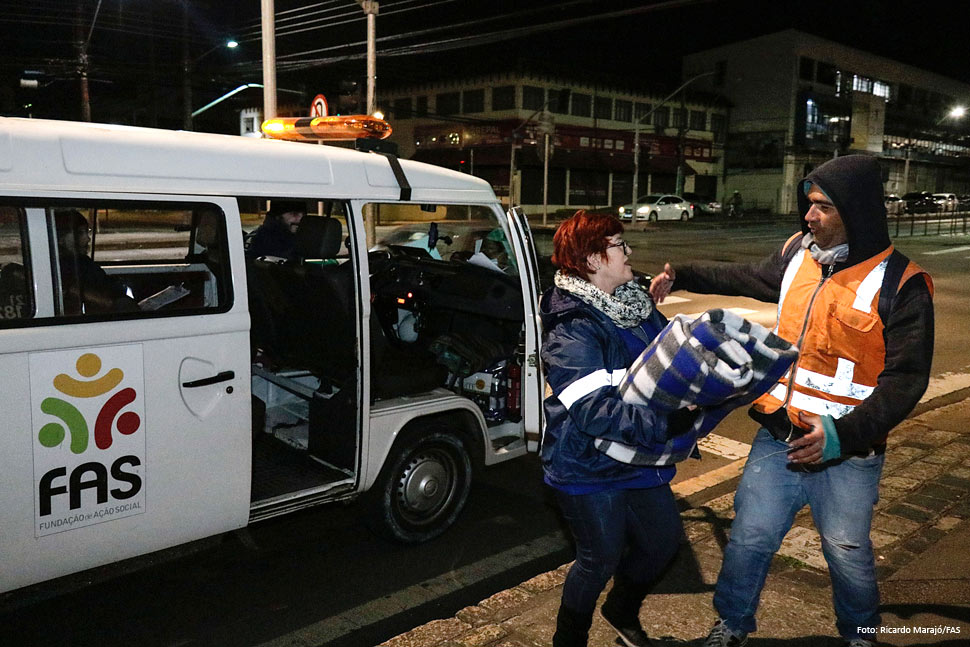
{"points": [[187, 66], [956, 112], [636, 137]]}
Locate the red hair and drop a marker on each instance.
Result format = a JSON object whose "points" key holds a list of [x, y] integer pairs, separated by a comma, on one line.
{"points": [[579, 236]]}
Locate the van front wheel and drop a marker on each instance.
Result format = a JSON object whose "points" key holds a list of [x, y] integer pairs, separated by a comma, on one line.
{"points": [[423, 487]]}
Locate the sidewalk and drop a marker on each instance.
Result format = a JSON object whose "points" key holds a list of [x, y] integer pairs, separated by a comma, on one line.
{"points": [[921, 534]]}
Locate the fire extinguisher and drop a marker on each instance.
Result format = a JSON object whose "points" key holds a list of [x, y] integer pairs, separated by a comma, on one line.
{"points": [[514, 400]]}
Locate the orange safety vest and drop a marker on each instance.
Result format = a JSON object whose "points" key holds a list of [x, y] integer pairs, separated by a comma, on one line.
{"points": [[834, 322]]}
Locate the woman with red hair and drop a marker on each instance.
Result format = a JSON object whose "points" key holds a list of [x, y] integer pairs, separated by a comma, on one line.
{"points": [[596, 322]]}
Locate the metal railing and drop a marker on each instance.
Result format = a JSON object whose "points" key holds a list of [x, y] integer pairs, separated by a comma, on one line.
{"points": [[933, 223]]}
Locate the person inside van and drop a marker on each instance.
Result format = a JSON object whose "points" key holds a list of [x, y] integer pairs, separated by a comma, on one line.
{"points": [[495, 253], [85, 287], [277, 235]]}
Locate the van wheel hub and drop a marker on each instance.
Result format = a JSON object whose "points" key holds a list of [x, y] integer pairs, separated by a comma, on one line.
{"points": [[424, 483]]}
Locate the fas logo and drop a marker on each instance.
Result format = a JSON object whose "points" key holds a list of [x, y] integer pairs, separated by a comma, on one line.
{"points": [[89, 437]]}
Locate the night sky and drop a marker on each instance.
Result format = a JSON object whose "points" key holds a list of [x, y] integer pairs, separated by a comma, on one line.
{"points": [[135, 47]]}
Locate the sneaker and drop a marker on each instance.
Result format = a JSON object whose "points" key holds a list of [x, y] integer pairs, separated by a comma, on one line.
{"points": [[629, 636], [721, 636], [859, 642]]}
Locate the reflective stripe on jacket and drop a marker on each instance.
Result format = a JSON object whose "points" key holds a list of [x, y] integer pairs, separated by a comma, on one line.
{"points": [[835, 323]]}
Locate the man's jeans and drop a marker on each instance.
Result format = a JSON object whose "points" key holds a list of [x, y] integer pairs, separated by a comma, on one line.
{"points": [[632, 532], [841, 497]]}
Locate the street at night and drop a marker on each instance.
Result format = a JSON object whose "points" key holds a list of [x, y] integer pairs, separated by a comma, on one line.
{"points": [[294, 295]]}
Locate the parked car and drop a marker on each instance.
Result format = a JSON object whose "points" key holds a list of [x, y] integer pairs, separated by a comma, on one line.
{"points": [[895, 206], [658, 207], [702, 205], [919, 202], [946, 201]]}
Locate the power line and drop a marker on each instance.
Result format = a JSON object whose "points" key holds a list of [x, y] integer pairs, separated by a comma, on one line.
{"points": [[490, 37], [352, 16], [431, 30]]}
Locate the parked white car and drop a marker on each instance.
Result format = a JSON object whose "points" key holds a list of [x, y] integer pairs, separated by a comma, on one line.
{"points": [[946, 201], [895, 206], [658, 207]]}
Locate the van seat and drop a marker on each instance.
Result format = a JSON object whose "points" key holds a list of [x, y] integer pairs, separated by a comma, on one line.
{"points": [[310, 309]]}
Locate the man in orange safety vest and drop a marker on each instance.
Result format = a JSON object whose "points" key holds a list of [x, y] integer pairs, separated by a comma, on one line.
{"points": [[861, 315]]}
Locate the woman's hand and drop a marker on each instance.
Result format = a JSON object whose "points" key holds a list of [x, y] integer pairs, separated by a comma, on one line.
{"points": [[662, 283]]}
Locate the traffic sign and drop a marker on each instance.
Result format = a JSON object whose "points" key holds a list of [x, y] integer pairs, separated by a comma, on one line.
{"points": [[319, 106]]}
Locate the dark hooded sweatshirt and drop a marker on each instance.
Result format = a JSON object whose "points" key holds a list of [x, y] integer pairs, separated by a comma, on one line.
{"points": [[854, 185]]}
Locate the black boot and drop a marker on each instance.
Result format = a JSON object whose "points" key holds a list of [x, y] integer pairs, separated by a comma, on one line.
{"points": [[622, 611], [572, 628]]}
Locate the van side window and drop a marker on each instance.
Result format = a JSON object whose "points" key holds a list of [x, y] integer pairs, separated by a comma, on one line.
{"points": [[131, 260], [16, 300]]}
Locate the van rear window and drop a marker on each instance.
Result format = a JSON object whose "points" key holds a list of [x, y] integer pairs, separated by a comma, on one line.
{"points": [[61, 260], [135, 259], [16, 301]]}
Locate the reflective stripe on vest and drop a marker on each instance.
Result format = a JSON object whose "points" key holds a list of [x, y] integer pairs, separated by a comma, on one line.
{"points": [[790, 273]]}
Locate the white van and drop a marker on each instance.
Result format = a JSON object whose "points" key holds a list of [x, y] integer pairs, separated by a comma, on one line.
{"points": [[208, 390]]}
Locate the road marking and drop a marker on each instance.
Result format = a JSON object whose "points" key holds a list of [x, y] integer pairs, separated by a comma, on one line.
{"points": [[741, 312], [724, 447], [673, 299], [708, 479], [945, 383], [949, 250], [332, 629]]}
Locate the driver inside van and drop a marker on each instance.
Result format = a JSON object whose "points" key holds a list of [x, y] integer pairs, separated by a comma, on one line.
{"points": [[495, 253], [85, 287]]}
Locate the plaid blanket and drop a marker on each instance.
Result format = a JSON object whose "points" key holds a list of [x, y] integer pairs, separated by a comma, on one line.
{"points": [[717, 362]]}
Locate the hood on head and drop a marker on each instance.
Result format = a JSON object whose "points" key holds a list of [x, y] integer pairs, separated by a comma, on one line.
{"points": [[854, 185]]}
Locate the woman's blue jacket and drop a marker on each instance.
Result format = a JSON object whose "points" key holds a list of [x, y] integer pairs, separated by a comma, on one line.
{"points": [[584, 358]]}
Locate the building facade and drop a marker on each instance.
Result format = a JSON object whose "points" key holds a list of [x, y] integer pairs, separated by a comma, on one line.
{"points": [[495, 127], [798, 100]]}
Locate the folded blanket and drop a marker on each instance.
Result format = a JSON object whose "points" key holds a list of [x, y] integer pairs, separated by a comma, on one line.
{"points": [[718, 362]]}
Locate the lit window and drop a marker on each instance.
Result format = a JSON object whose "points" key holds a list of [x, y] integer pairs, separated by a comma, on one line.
{"points": [[861, 83]]}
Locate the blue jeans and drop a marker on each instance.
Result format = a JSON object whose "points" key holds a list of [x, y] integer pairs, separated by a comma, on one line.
{"points": [[631, 532], [841, 496]]}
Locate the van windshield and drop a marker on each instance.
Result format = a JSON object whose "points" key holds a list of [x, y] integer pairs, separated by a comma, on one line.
{"points": [[469, 233]]}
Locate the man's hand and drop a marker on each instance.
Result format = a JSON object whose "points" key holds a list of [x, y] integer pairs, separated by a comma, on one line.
{"points": [[808, 448], [661, 284]]}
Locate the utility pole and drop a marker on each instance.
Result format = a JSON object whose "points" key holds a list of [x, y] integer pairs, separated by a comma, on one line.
{"points": [[562, 99], [186, 70], [371, 8], [681, 132], [81, 43], [547, 128], [268, 12]]}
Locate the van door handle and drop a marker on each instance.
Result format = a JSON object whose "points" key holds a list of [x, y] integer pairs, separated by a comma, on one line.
{"points": [[212, 379]]}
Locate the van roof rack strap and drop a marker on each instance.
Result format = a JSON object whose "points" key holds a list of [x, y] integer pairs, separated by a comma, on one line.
{"points": [[402, 180]]}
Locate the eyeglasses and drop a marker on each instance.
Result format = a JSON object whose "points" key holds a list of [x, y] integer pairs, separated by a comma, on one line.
{"points": [[626, 246]]}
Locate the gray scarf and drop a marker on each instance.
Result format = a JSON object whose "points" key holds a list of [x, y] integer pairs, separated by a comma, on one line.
{"points": [[830, 256], [627, 307]]}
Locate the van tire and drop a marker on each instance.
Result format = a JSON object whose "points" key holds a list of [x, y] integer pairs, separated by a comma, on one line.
{"points": [[684, 216], [653, 216], [423, 487]]}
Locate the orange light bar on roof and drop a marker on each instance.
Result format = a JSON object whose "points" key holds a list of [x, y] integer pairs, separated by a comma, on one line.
{"points": [[326, 128]]}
